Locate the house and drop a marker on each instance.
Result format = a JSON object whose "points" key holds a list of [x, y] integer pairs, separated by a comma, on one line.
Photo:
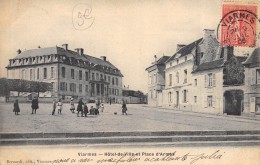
{"points": [[72, 73], [252, 82], [156, 81], [134, 97]]}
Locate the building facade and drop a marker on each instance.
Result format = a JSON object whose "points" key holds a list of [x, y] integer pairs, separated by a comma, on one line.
{"points": [[72, 73], [252, 82], [206, 77], [156, 81]]}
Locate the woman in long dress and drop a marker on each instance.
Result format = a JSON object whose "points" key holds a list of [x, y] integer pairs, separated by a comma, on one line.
{"points": [[16, 107]]}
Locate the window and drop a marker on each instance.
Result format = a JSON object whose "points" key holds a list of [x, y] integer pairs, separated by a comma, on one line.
{"points": [[86, 76], [52, 72], [101, 76], [80, 74], [116, 81], [177, 77], [72, 74], [177, 61], [195, 99], [201, 55], [113, 81], [185, 94], [210, 80], [109, 79], [44, 73], [86, 88], [170, 97], [80, 88], [258, 76], [170, 63], [63, 72], [72, 87], [38, 73], [63, 86], [195, 82], [185, 76], [97, 76], [105, 77], [31, 74], [155, 78], [93, 76], [185, 58], [209, 101], [170, 79]]}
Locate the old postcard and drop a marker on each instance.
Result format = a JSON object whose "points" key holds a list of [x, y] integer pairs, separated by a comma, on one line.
{"points": [[129, 82]]}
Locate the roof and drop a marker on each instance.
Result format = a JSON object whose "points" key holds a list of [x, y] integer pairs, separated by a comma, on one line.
{"points": [[241, 59], [61, 51], [210, 65], [254, 57], [161, 61], [186, 49]]}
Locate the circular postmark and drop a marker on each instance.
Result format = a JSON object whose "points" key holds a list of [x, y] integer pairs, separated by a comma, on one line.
{"points": [[82, 17], [238, 28]]}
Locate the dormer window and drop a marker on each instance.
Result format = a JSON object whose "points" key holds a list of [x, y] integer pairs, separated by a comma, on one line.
{"points": [[170, 63], [201, 55], [177, 61], [185, 58]]}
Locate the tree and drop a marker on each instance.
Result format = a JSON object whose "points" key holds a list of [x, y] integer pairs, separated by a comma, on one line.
{"points": [[19, 85]]}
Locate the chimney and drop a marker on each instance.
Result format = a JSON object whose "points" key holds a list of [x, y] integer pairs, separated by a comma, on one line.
{"points": [[104, 58], [80, 51], [208, 32], [179, 46], [228, 52], [19, 51], [155, 59], [65, 46]]}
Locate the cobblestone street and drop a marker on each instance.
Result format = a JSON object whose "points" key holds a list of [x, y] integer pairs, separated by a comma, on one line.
{"points": [[139, 118]]}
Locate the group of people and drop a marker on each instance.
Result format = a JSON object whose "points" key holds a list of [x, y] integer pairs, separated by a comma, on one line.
{"points": [[82, 107]]}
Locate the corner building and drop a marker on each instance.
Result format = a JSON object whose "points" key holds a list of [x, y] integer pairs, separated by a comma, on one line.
{"points": [[72, 73]]}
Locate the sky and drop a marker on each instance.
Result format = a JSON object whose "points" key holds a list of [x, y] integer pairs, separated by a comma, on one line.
{"points": [[128, 33]]}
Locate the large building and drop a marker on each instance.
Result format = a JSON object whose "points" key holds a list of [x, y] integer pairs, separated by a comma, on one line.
{"points": [[204, 76], [72, 73]]}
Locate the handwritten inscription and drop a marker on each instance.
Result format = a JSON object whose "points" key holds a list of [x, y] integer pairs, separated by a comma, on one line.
{"points": [[82, 17], [128, 157]]}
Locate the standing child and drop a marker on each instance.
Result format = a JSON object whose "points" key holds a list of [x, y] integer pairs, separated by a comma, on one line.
{"points": [[59, 106], [72, 107], [85, 110], [16, 107], [54, 106], [102, 107]]}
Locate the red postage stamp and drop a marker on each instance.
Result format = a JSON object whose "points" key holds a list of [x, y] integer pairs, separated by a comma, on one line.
{"points": [[238, 25]]}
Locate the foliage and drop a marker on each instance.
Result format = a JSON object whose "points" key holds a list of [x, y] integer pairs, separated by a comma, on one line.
{"points": [[19, 85], [233, 72]]}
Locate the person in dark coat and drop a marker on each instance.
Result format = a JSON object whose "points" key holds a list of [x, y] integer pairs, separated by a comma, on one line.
{"points": [[79, 108], [96, 111], [16, 107], [85, 110], [35, 105], [124, 108], [54, 106]]}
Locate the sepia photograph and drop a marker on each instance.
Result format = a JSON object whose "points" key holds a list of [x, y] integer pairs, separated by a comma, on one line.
{"points": [[130, 82]]}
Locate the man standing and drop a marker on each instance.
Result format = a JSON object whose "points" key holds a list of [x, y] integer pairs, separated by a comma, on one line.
{"points": [[54, 106], [35, 105], [79, 108]]}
